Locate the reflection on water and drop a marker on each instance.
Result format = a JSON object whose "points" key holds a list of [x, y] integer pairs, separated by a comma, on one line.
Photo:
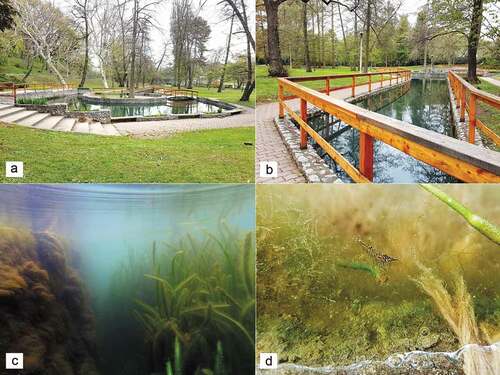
{"points": [[171, 107], [356, 273], [122, 279], [426, 105]]}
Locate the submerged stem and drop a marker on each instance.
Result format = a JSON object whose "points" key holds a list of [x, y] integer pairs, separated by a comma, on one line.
{"points": [[489, 230]]}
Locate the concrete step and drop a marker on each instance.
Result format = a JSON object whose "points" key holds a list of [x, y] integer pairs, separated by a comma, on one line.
{"points": [[65, 125], [81, 127], [96, 128], [49, 123], [18, 116], [33, 119], [5, 106], [110, 129], [10, 111]]}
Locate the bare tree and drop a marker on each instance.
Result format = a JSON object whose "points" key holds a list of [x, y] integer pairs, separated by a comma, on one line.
{"points": [[47, 29], [221, 82], [82, 11]]}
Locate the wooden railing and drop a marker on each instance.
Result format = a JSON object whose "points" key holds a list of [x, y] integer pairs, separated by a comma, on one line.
{"points": [[15, 88], [459, 159], [175, 92], [397, 76], [467, 97]]}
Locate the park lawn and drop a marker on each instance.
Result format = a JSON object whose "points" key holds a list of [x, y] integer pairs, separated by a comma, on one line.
{"points": [[227, 95], [267, 87], [218, 155], [487, 114]]}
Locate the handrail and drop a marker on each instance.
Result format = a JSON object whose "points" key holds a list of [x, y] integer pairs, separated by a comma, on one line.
{"points": [[467, 95], [176, 92], [41, 86], [459, 159], [400, 75]]}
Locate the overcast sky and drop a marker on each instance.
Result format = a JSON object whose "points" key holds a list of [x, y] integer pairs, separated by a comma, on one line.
{"points": [[212, 12]]}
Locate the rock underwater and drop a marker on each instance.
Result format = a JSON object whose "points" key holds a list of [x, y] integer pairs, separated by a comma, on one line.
{"points": [[44, 308]]}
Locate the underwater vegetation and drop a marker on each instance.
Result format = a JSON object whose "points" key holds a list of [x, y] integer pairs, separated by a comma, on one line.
{"points": [[44, 308], [483, 226], [192, 303], [351, 277]]}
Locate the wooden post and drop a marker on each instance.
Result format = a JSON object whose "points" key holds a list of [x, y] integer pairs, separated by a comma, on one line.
{"points": [[280, 101], [390, 79], [303, 115], [370, 83], [472, 118], [353, 84], [366, 155], [14, 93], [462, 104], [328, 86], [381, 79]]}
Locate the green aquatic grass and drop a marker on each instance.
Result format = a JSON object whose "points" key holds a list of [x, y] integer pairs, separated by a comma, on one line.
{"points": [[218, 155], [483, 226], [201, 297], [359, 266]]}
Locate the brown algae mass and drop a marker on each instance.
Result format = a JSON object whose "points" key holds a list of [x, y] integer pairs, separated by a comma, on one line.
{"points": [[44, 309], [326, 298]]}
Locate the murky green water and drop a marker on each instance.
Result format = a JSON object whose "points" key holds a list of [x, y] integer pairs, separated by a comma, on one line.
{"points": [[343, 271], [172, 107], [111, 279], [426, 105]]}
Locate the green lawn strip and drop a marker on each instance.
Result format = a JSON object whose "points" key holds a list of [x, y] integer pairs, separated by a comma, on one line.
{"points": [[489, 115], [217, 155], [267, 87], [227, 95]]}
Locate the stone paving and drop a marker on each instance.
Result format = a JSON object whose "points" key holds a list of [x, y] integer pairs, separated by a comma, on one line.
{"points": [[169, 127], [270, 145], [148, 129]]}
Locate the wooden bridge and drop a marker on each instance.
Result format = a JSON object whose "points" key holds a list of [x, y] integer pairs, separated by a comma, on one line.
{"points": [[459, 159], [176, 93]]}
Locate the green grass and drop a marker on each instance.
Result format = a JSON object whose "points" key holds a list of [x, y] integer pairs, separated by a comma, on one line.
{"points": [[202, 157], [14, 69], [227, 95], [489, 115], [267, 87]]}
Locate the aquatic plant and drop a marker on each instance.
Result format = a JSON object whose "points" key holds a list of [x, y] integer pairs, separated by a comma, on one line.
{"points": [[360, 266], [219, 368], [168, 368], [458, 311], [203, 294], [483, 226]]}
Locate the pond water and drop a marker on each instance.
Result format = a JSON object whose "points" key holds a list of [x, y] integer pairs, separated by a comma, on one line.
{"points": [[172, 107], [425, 104], [122, 279], [358, 273]]}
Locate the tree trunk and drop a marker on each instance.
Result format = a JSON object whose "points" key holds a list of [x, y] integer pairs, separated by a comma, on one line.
{"points": [[86, 39], [221, 82], [473, 41], [131, 83], [307, 61], [250, 85], [276, 68], [367, 36]]}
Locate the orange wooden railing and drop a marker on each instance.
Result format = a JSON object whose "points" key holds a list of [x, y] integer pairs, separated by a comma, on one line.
{"points": [[459, 159], [172, 91], [397, 76], [467, 97], [16, 88]]}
